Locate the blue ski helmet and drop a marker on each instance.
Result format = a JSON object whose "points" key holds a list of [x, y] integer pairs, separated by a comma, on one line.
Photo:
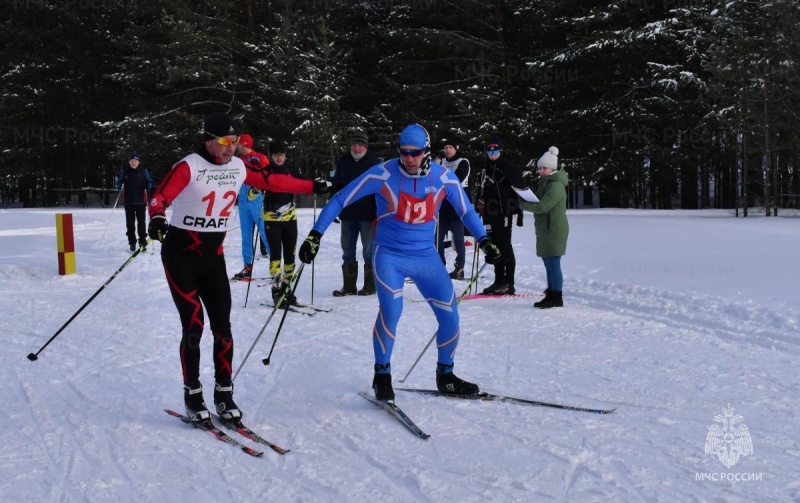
{"points": [[416, 136]]}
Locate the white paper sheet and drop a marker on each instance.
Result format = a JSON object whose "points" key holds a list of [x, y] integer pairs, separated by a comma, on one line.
{"points": [[526, 194]]}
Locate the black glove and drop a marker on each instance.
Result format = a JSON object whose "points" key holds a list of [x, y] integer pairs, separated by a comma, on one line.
{"points": [[157, 228], [322, 186], [519, 218], [310, 247], [491, 251]]}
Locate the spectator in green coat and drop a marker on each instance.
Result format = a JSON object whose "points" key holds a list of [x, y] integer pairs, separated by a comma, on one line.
{"points": [[550, 223]]}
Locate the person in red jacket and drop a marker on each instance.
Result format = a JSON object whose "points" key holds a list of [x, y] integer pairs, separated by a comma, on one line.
{"points": [[202, 189]]}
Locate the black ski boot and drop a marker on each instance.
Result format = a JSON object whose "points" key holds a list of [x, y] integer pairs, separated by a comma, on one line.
{"points": [[498, 288], [448, 382], [244, 274], [223, 401], [457, 273], [382, 383], [196, 409]]}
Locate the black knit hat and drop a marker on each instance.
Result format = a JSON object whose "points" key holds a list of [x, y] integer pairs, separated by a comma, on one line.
{"points": [[133, 155], [277, 147], [452, 141], [359, 137], [217, 125]]}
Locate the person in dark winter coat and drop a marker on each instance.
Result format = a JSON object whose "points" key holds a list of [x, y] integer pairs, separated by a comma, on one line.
{"points": [[498, 204], [357, 218], [550, 222], [448, 218], [136, 181]]}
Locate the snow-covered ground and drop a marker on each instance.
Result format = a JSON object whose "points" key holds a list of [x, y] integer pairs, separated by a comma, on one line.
{"points": [[671, 316]]}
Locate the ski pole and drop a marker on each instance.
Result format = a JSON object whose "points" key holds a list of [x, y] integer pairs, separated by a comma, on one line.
{"points": [[109, 219], [466, 290], [474, 260], [265, 361], [253, 265], [35, 356], [312, 263], [264, 327]]}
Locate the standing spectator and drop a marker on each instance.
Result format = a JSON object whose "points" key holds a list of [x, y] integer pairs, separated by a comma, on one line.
{"points": [[202, 189], [250, 202], [551, 225], [448, 218], [497, 203], [136, 181], [280, 219], [408, 190], [356, 218]]}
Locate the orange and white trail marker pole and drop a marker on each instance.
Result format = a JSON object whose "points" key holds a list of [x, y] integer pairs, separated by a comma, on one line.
{"points": [[66, 244]]}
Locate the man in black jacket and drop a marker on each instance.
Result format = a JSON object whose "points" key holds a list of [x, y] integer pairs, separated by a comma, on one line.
{"points": [[357, 218], [498, 204], [136, 180], [448, 219]]}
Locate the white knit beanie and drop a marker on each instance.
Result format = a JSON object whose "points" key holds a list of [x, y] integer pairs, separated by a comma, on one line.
{"points": [[549, 159]]}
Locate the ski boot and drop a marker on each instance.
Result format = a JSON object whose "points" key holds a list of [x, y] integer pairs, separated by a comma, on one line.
{"points": [[223, 401], [244, 274], [448, 382], [382, 383], [196, 409]]}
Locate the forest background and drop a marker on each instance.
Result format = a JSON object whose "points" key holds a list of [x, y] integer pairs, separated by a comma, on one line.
{"points": [[653, 104]]}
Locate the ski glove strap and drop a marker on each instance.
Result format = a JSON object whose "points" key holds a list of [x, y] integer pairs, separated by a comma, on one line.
{"points": [[157, 228], [310, 247], [491, 251]]}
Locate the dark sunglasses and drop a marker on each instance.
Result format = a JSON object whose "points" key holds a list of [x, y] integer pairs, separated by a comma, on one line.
{"points": [[410, 153]]}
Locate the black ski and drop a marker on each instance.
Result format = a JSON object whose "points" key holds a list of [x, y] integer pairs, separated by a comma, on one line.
{"points": [[315, 308], [489, 397], [293, 308], [243, 430], [220, 435], [398, 414]]}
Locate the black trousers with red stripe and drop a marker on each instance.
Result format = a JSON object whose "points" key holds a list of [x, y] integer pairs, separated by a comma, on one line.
{"points": [[197, 278]]}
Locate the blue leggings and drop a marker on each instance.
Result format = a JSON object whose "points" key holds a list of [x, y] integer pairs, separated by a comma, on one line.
{"points": [[249, 217], [430, 275], [552, 266]]}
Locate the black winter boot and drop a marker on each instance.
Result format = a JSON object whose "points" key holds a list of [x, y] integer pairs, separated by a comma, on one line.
{"points": [[382, 383], [540, 303], [196, 409], [551, 299], [369, 281], [448, 382], [350, 277], [499, 287], [223, 400]]}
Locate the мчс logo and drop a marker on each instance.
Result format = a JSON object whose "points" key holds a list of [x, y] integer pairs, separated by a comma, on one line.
{"points": [[730, 441]]}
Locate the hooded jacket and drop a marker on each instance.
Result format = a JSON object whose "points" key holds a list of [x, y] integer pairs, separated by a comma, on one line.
{"points": [[550, 215]]}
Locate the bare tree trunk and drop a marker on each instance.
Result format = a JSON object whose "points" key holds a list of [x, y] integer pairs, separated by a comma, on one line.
{"points": [[248, 6]]}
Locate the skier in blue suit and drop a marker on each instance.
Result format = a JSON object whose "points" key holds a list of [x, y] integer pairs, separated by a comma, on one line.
{"points": [[250, 206], [408, 191]]}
